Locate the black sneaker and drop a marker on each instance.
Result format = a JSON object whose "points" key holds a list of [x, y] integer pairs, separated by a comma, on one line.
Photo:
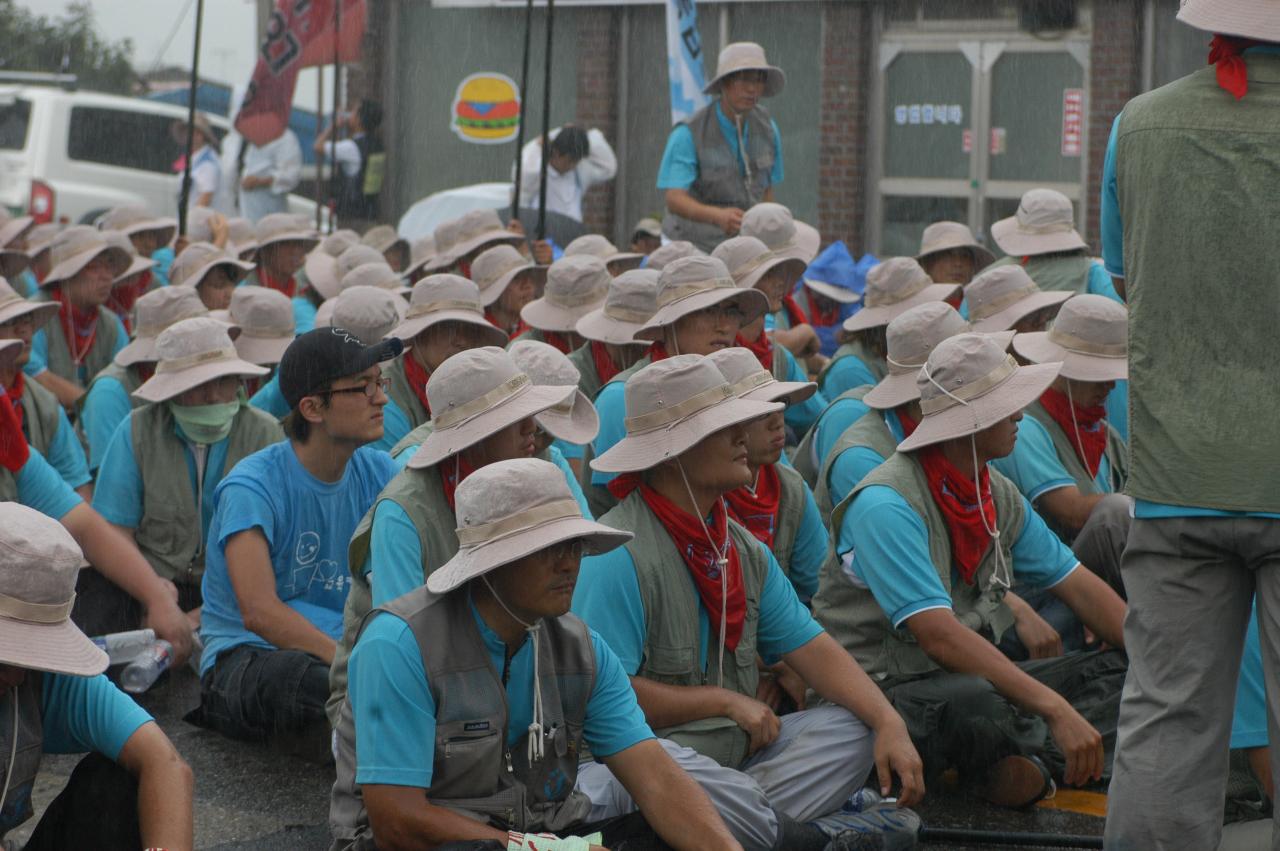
{"points": [[881, 826]]}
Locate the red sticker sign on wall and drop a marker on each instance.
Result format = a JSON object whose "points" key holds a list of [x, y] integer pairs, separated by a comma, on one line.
{"points": [[1072, 122]]}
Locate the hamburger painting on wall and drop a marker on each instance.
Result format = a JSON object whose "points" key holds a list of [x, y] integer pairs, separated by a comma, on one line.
{"points": [[486, 109]]}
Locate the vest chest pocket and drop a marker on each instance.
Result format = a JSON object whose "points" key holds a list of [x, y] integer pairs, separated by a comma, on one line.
{"points": [[903, 656], [670, 665], [468, 759]]}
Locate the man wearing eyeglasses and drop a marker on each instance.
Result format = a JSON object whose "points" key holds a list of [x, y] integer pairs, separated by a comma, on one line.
{"points": [[276, 575]]}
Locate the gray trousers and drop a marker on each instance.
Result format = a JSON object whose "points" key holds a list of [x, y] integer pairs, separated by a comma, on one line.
{"points": [[1190, 583], [819, 758]]}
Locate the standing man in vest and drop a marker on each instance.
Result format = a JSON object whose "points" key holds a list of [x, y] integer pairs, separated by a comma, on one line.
{"points": [[158, 476], [362, 160], [690, 606], [728, 156], [426, 671], [276, 575], [927, 545], [133, 790], [1180, 209]]}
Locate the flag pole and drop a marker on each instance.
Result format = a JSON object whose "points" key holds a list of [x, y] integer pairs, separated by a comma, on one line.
{"points": [[320, 159], [185, 195], [546, 124], [524, 108], [333, 135]]}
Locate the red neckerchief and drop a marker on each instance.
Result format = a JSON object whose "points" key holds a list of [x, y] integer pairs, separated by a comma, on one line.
{"points": [[605, 367], [452, 471], [145, 370], [794, 313], [1229, 65], [657, 352], [79, 326], [14, 391], [14, 450], [417, 376], [552, 338], [252, 384], [826, 311], [957, 499], [955, 300], [1093, 432], [761, 347], [758, 509], [904, 419], [289, 286], [124, 296], [511, 333]]}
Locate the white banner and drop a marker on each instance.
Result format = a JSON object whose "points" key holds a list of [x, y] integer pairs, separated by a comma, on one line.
{"points": [[684, 60]]}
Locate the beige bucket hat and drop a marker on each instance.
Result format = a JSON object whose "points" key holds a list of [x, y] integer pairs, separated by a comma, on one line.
{"points": [[322, 261], [748, 380], [40, 239], [265, 319], [774, 225], [445, 237], [664, 255], [495, 268], [1256, 19], [746, 56], [155, 311], [368, 312], [831, 291], [629, 304], [240, 237], [378, 275], [1090, 338], [983, 385], [137, 264], [200, 224], [696, 283], [597, 246], [39, 565], [130, 219], [475, 394], [575, 286], [421, 252], [911, 337], [356, 255], [383, 238], [575, 419], [284, 227], [12, 227], [999, 298], [199, 259], [1045, 222], [648, 226], [13, 306], [513, 509], [191, 352], [446, 298], [749, 260], [948, 236], [671, 406], [479, 229], [78, 246], [894, 287]]}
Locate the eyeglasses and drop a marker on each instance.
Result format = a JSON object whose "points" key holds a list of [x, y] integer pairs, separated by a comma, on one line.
{"points": [[564, 550], [369, 389], [715, 314]]}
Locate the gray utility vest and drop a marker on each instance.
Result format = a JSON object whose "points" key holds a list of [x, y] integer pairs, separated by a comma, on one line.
{"points": [[803, 460], [1068, 273], [40, 416], [1195, 169], [721, 181], [854, 618], [99, 356], [129, 380], [401, 392], [671, 606], [27, 749], [869, 430], [169, 535], [877, 365], [8, 486], [474, 772], [791, 504], [588, 379]]}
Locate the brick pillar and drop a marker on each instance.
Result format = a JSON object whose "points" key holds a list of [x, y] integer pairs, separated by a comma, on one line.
{"points": [[846, 37], [598, 99], [1115, 63]]}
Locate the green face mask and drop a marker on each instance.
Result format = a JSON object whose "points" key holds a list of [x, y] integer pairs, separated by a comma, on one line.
{"points": [[205, 424]]}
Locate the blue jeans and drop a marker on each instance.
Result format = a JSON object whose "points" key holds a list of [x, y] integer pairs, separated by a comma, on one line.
{"points": [[256, 694]]}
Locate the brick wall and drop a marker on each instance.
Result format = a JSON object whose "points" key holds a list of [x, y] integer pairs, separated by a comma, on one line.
{"points": [[1115, 62], [846, 39], [597, 35]]}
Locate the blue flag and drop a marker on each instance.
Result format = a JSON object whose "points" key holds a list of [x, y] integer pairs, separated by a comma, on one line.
{"points": [[684, 60]]}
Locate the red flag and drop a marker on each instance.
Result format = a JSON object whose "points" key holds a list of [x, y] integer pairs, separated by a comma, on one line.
{"points": [[300, 33]]}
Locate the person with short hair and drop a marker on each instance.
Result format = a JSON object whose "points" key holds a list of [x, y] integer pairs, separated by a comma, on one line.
{"points": [[267, 174], [211, 271], [205, 166], [276, 577], [283, 242], [609, 330], [577, 159], [133, 790], [362, 158]]}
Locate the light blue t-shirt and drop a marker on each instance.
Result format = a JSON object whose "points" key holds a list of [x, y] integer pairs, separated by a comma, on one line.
{"points": [[801, 417], [679, 167], [1034, 465], [25, 283], [574, 451], [164, 259], [1249, 723], [853, 464], [611, 408], [308, 525], [834, 422], [608, 599], [845, 373], [395, 425], [39, 361], [304, 315], [105, 406], [66, 455], [395, 714], [809, 550], [42, 489], [884, 546], [270, 399]]}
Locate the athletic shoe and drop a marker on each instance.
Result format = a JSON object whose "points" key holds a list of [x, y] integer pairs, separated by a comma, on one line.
{"points": [[880, 826]]}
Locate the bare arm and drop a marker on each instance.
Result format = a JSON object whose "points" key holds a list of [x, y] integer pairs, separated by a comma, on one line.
{"points": [[1068, 506], [680, 202], [165, 788], [404, 820], [68, 392], [1036, 634], [1095, 603], [674, 805], [85, 491], [668, 706], [1118, 283], [252, 578]]}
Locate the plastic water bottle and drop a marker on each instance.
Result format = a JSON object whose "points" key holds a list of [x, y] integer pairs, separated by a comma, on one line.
{"points": [[863, 799], [125, 646], [140, 674]]}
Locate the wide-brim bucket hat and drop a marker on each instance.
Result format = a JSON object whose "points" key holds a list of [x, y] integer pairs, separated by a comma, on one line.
{"points": [[949, 236], [446, 298], [1090, 338], [746, 56], [1044, 223], [156, 311], [479, 229], [629, 304], [240, 238], [749, 260], [284, 227], [322, 261], [191, 352], [573, 420], [695, 283], [12, 227], [378, 275], [749, 380], [368, 312], [421, 252], [199, 259], [14, 306], [576, 285], [495, 268], [596, 245], [894, 287], [775, 226], [136, 265], [383, 238], [265, 319], [983, 385], [1255, 19], [1000, 298], [130, 219], [475, 394], [672, 406], [831, 291], [78, 246], [509, 510], [665, 255], [39, 565]]}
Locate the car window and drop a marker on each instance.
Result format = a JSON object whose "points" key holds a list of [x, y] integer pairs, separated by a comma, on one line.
{"points": [[14, 119], [118, 137]]}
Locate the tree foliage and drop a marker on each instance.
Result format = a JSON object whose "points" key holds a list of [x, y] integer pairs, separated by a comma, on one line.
{"points": [[68, 44]]}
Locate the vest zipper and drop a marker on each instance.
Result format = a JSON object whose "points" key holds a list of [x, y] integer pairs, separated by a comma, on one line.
{"points": [[506, 675]]}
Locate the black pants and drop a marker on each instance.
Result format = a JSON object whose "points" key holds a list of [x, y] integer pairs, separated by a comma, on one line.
{"points": [[624, 833], [102, 608], [256, 694], [97, 809]]}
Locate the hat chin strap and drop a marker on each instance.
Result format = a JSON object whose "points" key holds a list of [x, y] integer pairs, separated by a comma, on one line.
{"points": [[722, 562], [535, 746]]}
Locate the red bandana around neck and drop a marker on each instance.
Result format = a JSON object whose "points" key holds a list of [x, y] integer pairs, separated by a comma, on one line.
{"points": [[794, 314], [14, 450], [554, 338], [511, 333], [124, 296], [605, 368], [1229, 65], [657, 352], [761, 347], [905, 420], [825, 311], [1092, 440], [288, 286], [453, 471], [417, 376], [758, 510], [957, 498], [79, 326], [14, 391]]}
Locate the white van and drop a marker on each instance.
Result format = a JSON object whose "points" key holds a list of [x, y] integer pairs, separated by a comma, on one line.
{"points": [[68, 155]]}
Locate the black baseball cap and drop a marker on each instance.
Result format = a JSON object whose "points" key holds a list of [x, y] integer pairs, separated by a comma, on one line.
{"points": [[317, 357]]}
